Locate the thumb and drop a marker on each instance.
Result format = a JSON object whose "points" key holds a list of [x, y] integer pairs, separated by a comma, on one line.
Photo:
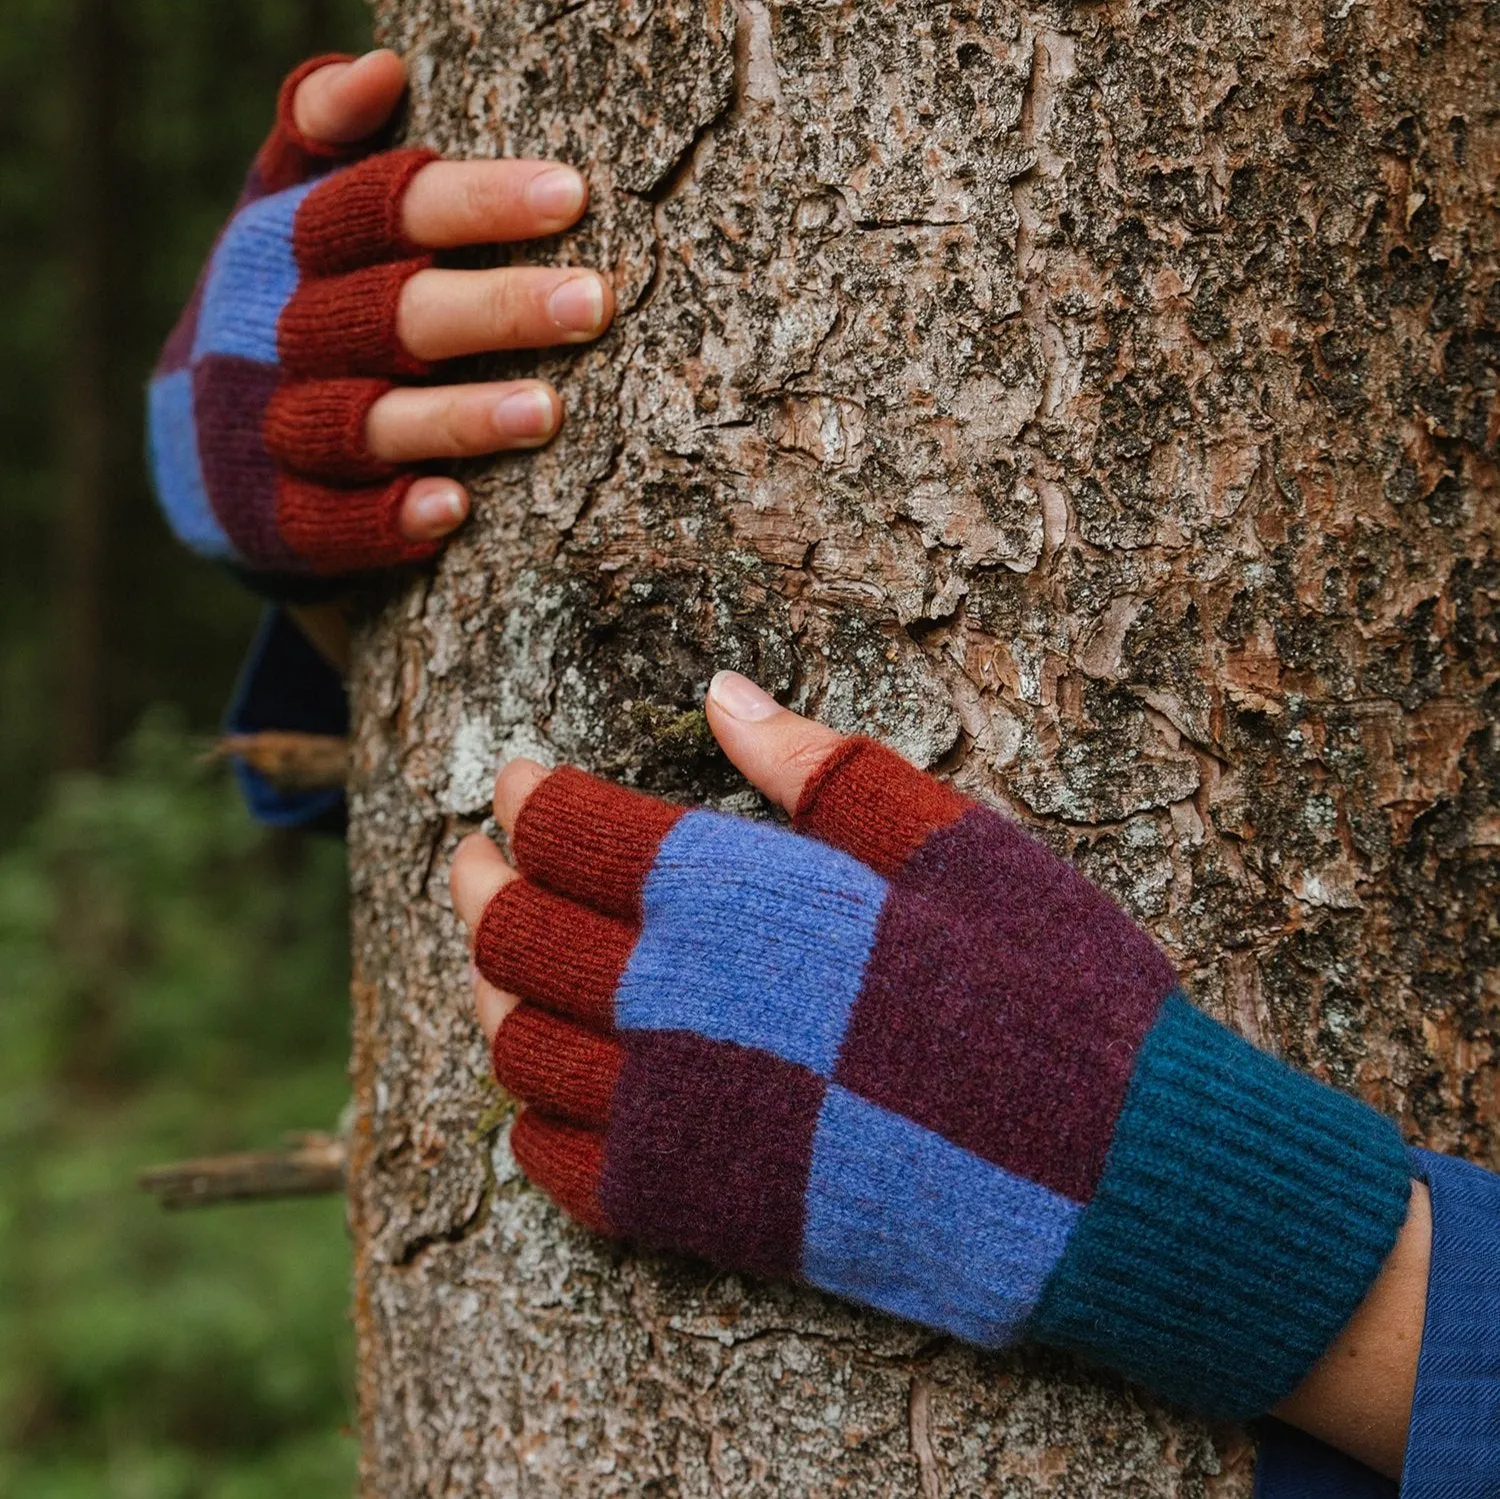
{"points": [[775, 749], [346, 101]]}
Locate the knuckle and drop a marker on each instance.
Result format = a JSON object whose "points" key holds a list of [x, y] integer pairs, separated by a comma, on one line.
{"points": [[456, 427], [503, 778], [478, 199], [458, 871], [310, 109], [381, 421], [413, 307], [500, 305], [806, 755]]}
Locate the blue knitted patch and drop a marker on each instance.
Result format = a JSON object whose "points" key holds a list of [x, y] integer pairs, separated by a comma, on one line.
{"points": [[251, 279], [751, 935], [178, 469], [902, 1219]]}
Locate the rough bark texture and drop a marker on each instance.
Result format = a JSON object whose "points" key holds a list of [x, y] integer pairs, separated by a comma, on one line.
{"points": [[1097, 402]]}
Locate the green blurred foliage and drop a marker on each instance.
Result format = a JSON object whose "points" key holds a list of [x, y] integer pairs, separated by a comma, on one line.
{"points": [[172, 980], [171, 984]]}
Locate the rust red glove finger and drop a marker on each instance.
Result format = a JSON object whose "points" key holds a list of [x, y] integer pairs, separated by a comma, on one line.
{"points": [[517, 950], [564, 1069], [318, 428]]}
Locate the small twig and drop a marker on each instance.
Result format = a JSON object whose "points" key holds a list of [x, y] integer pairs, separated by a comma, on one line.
{"points": [[313, 1166], [294, 762]]}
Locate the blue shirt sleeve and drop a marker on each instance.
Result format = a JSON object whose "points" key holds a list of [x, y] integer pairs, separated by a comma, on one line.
{"points": [[286, 686], [1293, 1465], [1453, 1449]]}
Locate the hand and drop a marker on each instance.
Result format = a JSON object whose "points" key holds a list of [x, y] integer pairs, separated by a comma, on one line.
{"points": [[285, 429], [913, 1058]]}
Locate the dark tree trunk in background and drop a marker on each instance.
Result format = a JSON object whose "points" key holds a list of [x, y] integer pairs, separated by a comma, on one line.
{"points": [[321, 31], [84, 415], [1098, 403]]}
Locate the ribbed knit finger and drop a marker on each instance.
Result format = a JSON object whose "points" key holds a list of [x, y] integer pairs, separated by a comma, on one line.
{"points": [[354, 219], [868, 801], [545, 948], [288, 156], [337, 326], [565, 1161], [347, 530], [591, 840], [557, 1066], [317, 428]]}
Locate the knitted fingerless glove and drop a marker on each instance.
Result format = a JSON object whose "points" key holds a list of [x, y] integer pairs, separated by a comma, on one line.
{"points": [[918, 1061], [257, 406]]}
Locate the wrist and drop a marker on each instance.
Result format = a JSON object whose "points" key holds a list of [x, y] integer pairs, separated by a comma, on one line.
{"points": [[1244, 1213], [1358, 1397]]}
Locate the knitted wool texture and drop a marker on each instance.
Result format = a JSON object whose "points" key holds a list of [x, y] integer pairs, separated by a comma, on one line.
{"points": [[918, 1061], [258, 403]]}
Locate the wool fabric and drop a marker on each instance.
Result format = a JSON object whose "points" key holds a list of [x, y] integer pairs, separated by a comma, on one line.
{"points": [[1453, 1441], [258, 405], [1453, 1448], [908, 1055]]}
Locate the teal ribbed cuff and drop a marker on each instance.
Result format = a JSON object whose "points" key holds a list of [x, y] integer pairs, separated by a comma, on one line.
{"points": [[1244, 1212]]}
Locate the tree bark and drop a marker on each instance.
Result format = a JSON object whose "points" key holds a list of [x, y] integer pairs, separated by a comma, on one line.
{"points": [[1097, 402]]}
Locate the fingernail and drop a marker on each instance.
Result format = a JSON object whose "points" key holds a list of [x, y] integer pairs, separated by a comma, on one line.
{"points": [[577, 306], [435, 512], [555, 194], [740, 698], [524, 414]]}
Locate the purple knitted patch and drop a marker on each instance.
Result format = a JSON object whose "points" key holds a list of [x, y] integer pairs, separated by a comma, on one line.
{"points": [[1021, 1045], [709, 1150], [230, 397]]}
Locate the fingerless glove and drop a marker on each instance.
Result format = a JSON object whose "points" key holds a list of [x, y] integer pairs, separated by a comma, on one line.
{"points": [[258, 404], [907, 1055]]}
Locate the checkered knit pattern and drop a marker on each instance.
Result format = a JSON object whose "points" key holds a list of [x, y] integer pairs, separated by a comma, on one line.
{"points": [[257, 406], [916, 1060]]}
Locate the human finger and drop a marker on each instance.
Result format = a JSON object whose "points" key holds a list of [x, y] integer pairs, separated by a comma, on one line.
{"points": [[347, 101], [854, 794], [478, 870], [589, 840], [775, 749], [493, 1007], [449, 314], [434, 507], [412, 424], [516, 781], [452, 203]]}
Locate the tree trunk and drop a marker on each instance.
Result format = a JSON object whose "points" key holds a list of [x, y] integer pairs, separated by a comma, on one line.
{"points": [[1097, 402]]}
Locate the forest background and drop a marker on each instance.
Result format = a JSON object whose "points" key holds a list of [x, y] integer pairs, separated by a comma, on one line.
{"points": [[172, 980]]}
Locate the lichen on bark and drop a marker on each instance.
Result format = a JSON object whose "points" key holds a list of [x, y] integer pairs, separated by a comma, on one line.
{"points": [[1097, 402]]}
